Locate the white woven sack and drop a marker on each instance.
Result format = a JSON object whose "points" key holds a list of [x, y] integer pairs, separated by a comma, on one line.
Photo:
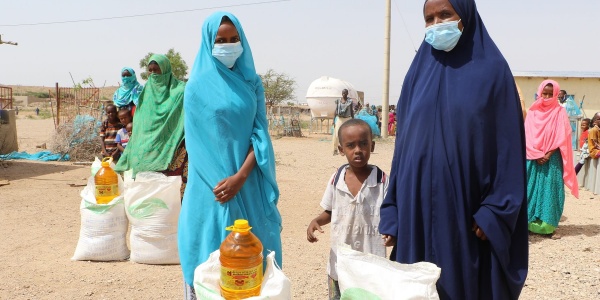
{"points": [[152, 204], [367, 276], [275, 285], [103, 227]]}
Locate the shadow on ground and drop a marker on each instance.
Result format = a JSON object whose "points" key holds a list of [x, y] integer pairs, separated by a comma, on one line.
{"points": [[20, 169]]}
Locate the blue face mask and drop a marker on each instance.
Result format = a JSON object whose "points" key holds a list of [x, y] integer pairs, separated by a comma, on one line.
{"points": [[227, 53], [128, 82], [443, 36]]}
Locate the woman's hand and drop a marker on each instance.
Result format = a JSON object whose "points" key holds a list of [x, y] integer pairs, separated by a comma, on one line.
{"points": [[388, 240], [478, 231], [227, 188], [545, 158]]}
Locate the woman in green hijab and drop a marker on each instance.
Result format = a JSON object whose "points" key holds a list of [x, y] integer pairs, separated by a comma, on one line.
{"points": [[157, 141]]}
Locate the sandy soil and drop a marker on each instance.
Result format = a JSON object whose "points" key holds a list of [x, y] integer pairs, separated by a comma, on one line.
{"points": [[39, 225]]}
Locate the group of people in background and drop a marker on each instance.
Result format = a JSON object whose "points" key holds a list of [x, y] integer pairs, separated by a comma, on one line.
{"points": [[348, 108], [115, 131], [466, 205]]}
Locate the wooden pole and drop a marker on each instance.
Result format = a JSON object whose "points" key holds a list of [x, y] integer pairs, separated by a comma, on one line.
{"points": [[57, 105]]}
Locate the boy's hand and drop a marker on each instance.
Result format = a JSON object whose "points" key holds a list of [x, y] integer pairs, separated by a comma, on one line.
{"points": [[388, 240], [311, 229]]}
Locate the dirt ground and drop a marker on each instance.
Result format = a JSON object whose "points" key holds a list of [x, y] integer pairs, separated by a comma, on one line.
{"points": [[39, 225]]}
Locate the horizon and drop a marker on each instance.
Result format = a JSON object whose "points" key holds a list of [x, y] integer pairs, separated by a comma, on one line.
{"points": [[340, 39]]}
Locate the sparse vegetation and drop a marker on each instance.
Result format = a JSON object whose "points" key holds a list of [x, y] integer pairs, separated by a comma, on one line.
{"points": [[178, 66], [79, 140]]}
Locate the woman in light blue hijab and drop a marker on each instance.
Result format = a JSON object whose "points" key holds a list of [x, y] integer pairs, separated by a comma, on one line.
{"points": [[231, 160], [127, 95]]}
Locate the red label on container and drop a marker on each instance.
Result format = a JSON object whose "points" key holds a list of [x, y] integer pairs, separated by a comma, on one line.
{"points": [[107, 190], [241, 279]]}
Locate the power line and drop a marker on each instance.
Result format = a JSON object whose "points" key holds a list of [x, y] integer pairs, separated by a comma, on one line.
{"points": [[405, 27], [142, 15]]}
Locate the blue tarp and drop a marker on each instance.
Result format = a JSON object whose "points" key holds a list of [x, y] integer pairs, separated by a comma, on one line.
{"points": [[41, 156]]}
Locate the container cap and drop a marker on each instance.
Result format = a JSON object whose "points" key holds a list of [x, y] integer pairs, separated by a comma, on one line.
{"points": [[106, 161], [240, 225]]}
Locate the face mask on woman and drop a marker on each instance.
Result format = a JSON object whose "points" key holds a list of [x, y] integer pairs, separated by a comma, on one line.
{"points": [[443, 36], [227, 53], [128, 81]]}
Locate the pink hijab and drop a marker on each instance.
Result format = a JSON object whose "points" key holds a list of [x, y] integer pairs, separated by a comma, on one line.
{"points": [[546, 128]]}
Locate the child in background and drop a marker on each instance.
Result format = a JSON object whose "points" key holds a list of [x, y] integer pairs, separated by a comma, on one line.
{"points": [[124, 133], [583, 144], [352, 200], [108, 133], [123, 136], [585, 125]]}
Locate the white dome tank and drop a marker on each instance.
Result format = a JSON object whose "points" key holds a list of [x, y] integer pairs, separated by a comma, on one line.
{"points": [[323, 92]]}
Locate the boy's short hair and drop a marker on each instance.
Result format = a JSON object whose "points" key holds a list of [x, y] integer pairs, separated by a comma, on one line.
{"points": [[109, 106], [354, 122]]}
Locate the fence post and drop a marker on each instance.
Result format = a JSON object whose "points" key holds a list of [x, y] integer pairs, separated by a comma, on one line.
{"points": [[57, 105]]}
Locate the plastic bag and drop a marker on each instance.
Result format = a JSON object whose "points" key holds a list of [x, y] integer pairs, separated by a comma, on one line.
{"points": [[367, 276], [103, 227], [152, 204], [275, 285]]}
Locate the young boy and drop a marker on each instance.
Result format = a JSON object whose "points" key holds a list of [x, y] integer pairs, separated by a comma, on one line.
{"points": [[108, 133], [352, 200], [583, 144], [123, 136], [124, 133]]}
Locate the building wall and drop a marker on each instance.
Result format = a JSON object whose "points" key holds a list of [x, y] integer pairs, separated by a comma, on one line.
{"points": [[8, 131], [27, 100], [590, 87]]}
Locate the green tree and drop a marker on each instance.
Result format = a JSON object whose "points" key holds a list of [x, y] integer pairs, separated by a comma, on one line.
{"points": [[278, 87], [178, 65]]}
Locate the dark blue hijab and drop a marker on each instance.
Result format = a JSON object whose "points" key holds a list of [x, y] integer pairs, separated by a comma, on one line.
{"points": [[460, 158]]}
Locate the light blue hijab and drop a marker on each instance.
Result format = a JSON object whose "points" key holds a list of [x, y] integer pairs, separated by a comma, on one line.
{"points": [[129, 92], [225, 115]]}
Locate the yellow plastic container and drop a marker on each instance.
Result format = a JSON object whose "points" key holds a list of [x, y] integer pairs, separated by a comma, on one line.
{"points": [[107, 183], [241, 262]]}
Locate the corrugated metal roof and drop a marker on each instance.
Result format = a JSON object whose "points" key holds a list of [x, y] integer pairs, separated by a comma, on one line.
{"points": [[568, 74]]}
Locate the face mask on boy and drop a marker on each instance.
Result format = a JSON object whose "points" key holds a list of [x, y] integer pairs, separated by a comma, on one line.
{"points": [[443, 36], [227, 53]]}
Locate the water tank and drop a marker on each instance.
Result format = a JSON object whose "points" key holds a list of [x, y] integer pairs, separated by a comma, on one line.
{"points": [[323, 92]]}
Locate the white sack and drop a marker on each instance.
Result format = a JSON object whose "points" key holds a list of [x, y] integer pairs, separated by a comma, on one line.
{"points": [[275, 285], [153, 203], [103, 227], [367, 276]]}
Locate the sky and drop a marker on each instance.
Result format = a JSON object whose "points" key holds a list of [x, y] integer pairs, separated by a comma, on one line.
{"points": [[305, 39]]}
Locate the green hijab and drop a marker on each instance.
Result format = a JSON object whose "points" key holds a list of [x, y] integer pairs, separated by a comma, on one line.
{"points": [[157, 124]]}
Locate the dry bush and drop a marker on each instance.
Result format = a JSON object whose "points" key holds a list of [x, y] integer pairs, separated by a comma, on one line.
{"points": [[79, 139]]}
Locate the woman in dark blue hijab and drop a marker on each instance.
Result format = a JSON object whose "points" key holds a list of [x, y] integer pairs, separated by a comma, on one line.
{"points": [[461, 204]]}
